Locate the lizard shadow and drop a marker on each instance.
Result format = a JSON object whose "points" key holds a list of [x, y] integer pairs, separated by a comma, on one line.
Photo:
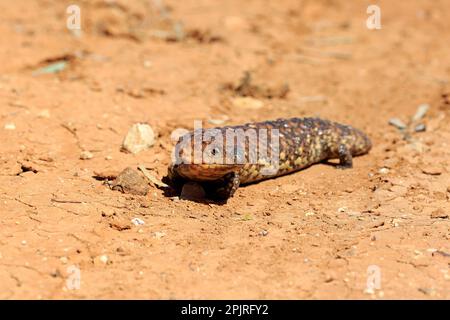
{"points": [[174, 192]]}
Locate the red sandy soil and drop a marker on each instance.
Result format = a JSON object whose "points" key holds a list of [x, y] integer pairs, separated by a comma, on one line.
{"points": [[312, 234]]}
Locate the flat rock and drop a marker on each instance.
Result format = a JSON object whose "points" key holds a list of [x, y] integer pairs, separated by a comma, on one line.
{"points": [[131, 181]]}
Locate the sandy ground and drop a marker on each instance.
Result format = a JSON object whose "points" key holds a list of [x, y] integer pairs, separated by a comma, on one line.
{"points": [[313, 234]]}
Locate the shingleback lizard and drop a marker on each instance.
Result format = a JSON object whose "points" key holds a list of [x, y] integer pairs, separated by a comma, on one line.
{"points": [[295, 144]]}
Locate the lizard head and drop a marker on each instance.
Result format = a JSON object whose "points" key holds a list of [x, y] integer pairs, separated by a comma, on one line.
{"points": [[201, 156]]}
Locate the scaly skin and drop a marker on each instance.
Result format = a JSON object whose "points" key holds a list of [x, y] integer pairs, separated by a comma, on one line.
{"points": [[302, 142]]}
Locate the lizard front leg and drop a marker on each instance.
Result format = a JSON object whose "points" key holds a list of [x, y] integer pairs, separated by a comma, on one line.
{"points": [[175, 180], [227, 186], [345, 157]]}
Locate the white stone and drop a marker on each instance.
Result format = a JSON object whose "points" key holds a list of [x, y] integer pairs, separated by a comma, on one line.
{"points": [[139, 137], [137, 221], [10, 126], [86, 155], [104, 258]]}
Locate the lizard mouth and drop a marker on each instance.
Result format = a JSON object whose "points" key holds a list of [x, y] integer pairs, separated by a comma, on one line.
{"points": [[205, 172]]}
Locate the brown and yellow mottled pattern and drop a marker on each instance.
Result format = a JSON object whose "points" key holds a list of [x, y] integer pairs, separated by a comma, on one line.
{"points": [[302, 142]]}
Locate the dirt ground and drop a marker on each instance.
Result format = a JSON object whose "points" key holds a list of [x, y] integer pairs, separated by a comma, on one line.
{"points": [[315, 234]]}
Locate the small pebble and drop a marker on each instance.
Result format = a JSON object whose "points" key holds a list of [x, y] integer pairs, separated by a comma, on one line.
{"points": [[396, 222], [218, 122], [10, 126], [396, 122], [421, 111], [369, 291], [137, 221], [248, 103], [104, 258], [86, 155], [264, 233], [420, 128], [63, 260], [383, 170]]}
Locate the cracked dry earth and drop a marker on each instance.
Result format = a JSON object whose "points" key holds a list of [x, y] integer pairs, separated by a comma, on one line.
{"points": [[312, 234]]}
